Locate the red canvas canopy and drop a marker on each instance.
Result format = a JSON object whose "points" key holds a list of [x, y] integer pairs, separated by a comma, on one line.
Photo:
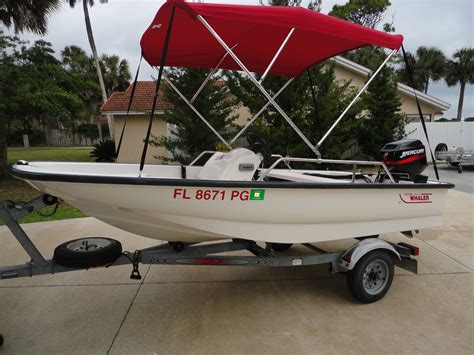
{"points": [[256, 32]]}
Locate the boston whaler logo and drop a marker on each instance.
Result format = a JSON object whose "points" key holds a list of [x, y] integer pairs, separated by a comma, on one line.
{"points": [[412, 152], [410, 197]]}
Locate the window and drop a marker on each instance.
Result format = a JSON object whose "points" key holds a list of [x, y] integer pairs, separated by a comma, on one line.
{"points": [[415, 117]]}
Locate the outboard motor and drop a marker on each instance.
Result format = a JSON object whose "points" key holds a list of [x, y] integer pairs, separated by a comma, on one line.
{"points": [[406, 159]]}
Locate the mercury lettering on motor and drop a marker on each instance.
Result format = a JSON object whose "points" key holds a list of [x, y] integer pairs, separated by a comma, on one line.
{"points": [[219, 195], [412, 152]]}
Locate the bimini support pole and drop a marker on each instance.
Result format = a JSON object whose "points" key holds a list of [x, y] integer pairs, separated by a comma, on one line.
{"points": [[157, 90], [261, 111], [355, 98], [420, 112], [275, 57], [212, 72], [257, 84], [170, 83]]}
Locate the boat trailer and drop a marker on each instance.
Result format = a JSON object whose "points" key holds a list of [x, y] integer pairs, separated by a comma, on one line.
{"points": [[177, 253], [368, 263], [456, 157]]}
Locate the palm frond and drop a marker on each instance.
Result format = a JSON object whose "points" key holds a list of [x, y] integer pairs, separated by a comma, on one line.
{"points": [[28, 15]]}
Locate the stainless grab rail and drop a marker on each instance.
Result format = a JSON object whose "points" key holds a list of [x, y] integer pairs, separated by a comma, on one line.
{"points": [[354, 164]]}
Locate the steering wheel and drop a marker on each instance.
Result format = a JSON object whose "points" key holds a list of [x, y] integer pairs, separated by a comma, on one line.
{"points": [[258, 145]]}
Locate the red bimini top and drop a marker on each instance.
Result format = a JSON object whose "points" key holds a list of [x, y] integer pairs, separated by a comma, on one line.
{"points": [[257, 33]]}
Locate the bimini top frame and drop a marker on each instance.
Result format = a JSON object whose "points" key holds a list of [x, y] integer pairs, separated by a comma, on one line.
{"points": [[213, 28]]}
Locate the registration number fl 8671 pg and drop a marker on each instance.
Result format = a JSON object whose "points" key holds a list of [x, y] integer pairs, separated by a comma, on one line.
{"points": [[219, 195]]}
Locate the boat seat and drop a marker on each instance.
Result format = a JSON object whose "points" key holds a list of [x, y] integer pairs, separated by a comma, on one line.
{"points": [[239, 164]]}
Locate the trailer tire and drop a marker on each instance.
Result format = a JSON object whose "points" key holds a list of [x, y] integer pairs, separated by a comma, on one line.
{"points": [[371, 277], [87, 252], [1, 340], [441, 147], [281, 246]]}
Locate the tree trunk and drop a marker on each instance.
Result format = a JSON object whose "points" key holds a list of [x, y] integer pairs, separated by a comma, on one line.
{"points": [[99, 129], [461, 101], [3, 146], [426, 85], [90, 36]]}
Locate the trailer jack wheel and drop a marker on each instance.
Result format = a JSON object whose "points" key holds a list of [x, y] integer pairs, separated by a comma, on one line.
{"points": [[371, 277], [87, 252]]}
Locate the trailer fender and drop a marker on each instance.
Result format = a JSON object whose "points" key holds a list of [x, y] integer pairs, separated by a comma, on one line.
{"points": [[350, 258]]}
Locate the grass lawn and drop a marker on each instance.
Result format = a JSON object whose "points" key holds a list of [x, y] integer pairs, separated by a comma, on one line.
{"points": [[50, 154], [14, 189]]}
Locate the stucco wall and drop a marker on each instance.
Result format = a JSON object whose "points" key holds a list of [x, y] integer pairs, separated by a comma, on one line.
{"points": [[408, 103], [244, 115], [409, 107], [356, 80], [135, 132]]}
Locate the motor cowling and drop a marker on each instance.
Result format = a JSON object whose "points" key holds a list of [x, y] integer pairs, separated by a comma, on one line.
{"points": [[406, 159]]}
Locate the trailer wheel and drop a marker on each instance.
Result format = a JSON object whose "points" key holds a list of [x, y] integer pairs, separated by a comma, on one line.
{"points": [[441, 147], [371, 277], [87, 252], [281, 246], [1, 340]]}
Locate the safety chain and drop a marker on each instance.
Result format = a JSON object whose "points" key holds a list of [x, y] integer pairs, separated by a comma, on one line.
{"points": [[49, 214]]}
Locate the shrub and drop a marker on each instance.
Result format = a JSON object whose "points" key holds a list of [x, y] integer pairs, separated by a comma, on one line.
{"points": [[104, 151]]}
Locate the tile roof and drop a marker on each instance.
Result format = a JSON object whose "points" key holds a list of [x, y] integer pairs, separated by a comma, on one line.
{"points": [[142, 100]]}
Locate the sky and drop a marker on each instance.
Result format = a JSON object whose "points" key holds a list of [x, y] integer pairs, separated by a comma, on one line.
{"points": [[119, 24]]}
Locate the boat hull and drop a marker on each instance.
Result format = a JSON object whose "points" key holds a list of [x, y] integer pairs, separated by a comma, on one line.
{"points": [[255, 212]]}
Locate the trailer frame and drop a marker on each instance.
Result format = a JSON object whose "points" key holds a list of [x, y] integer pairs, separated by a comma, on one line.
{"points": [[184, 254]]}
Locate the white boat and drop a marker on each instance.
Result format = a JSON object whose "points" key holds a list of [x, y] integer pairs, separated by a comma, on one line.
{"points": [[231, 195], [297, 208]]}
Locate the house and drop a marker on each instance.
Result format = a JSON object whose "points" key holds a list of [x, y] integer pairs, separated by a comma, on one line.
{"points": [[137, 122], [431, 106]]}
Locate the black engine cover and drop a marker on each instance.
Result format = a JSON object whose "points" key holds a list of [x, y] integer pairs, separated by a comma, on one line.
{"points": [[405, 158]]}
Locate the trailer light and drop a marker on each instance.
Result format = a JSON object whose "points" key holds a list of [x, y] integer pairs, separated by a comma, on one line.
{"points": [[347, 257], [415, 251]]}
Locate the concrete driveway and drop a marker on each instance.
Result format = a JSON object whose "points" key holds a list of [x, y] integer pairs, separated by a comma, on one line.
{"points": [[211, 310], [464, 182]]}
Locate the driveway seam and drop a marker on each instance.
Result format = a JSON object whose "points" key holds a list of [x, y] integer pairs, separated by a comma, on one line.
{"points": [[449, 256], [128, 310]]}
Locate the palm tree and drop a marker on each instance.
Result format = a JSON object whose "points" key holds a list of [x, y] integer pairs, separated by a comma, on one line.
{"points": [[431, 64], [90, 36], [116, 73], [76, 60], [27, 15], [461, 71]]}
